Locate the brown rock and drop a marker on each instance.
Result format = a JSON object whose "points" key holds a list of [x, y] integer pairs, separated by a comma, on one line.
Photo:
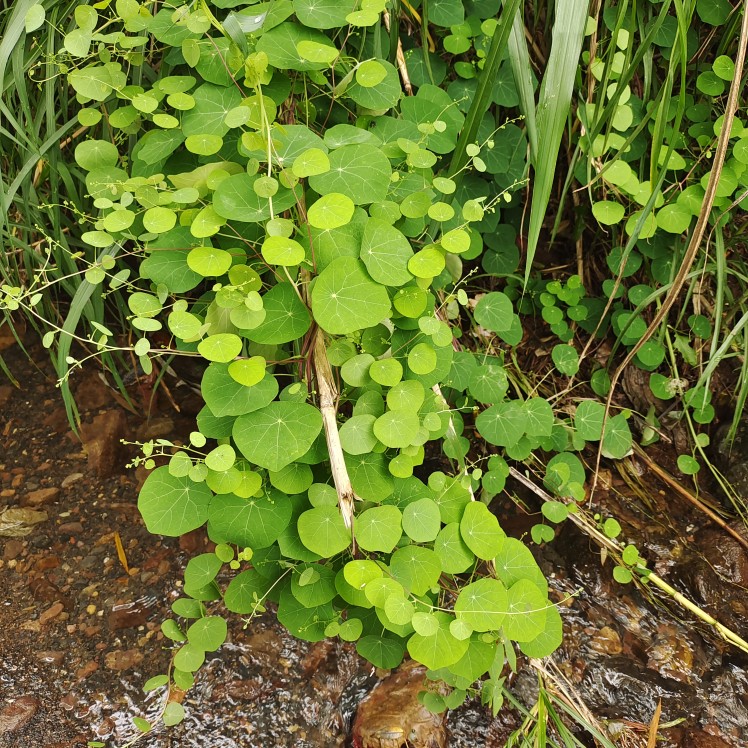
{"points": [[40, 497], [127, 616], [160, 426], [51, 657], [70, 479], [13, 549], [16, 715], [70, 528], [101, 441], [83, 672], [392, 714], [51, 613], [123, 659], [92, 393], [6, 391]]}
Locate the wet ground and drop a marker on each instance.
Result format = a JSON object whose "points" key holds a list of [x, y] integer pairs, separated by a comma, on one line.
{"points": [[83, 588]]}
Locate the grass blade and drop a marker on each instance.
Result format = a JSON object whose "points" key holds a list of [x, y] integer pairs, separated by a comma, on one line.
{"points": [[553, 110], [519, 57], [482, 99]]}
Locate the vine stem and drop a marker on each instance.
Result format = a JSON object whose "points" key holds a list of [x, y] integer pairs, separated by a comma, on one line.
{"points": [[328, 406], [328, 398]]}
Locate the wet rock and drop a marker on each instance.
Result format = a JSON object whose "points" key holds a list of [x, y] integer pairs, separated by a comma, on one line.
{"points": [[621, 687], [161, 426], [716, 574], [51, 657], [70, 479], [391, 716], [6, 392], [40, 497], [123, 659], [130, 615], [83, 672], [51, 613], [70, 528], [12, 550], [101, 441], [16, 715]]}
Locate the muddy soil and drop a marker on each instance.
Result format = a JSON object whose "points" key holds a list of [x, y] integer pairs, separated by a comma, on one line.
{"points": [[84, 588]]}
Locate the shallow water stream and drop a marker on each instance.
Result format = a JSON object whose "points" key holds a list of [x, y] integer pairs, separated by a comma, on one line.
{"points": [[79, 632]]}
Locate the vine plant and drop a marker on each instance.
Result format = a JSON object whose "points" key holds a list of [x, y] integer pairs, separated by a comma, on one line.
{"points": [[279, 198]]}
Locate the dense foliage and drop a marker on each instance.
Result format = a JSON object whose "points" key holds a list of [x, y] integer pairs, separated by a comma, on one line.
{"points": [[320, 200]]}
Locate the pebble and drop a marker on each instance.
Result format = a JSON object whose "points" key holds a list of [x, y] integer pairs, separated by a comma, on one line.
{"points": [[101, 441], [51, 613], [70, 479], [70, 528], [89, 668], [123, 659], [12, 550], [40, 497], [16, 715], [51, 657], [5, 394]]}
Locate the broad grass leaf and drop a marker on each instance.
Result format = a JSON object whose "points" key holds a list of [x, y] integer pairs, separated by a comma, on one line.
{"points": [[278, 434], [173, 506]]}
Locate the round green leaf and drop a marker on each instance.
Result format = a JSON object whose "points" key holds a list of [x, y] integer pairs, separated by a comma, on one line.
{"points": [[422, 520], [482, 604], [171, 505], [222, 348], [323, 531], [480, 530], [278, 434], [331, 211], [345, 299], [378, 528]]}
